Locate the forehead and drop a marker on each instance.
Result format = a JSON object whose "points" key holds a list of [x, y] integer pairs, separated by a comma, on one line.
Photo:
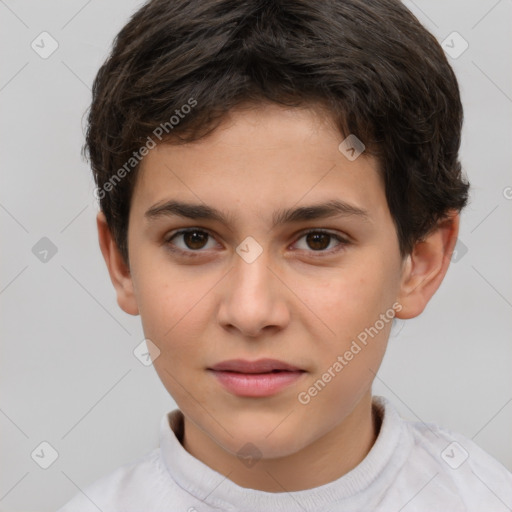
{"points": [[261, 160]]}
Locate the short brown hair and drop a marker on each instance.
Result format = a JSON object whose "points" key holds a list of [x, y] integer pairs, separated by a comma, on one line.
{"points": [[378, 72]]}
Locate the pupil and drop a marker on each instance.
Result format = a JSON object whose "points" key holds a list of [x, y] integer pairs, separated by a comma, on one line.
{"points": [[195, 239], [315, 240]]}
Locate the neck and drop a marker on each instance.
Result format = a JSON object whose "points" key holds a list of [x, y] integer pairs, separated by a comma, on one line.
{"points": [[322, 461]]}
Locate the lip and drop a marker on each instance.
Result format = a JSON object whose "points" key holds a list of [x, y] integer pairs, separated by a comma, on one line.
{"points": [[258, 366], [264, 377]]}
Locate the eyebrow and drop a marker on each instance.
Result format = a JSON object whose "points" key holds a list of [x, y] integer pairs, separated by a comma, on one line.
{"points": [[332, 208]]}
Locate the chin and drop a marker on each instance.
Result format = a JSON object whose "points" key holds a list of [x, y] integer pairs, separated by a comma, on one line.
{"points": [[262, 440]]}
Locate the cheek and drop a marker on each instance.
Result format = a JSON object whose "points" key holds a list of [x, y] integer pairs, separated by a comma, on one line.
{"points": [[349, 355], [173, 318], [351, 305], [350, 301], [171, 308]]}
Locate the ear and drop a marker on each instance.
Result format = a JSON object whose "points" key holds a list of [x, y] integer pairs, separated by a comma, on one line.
{"points": [[424, 269], [117, 268]]}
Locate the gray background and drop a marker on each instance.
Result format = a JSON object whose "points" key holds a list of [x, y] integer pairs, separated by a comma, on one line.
{"points": [[68, 373]]}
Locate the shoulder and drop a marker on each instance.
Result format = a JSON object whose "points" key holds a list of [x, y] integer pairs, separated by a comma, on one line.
{"points": [[131, 486], [456, 466]]}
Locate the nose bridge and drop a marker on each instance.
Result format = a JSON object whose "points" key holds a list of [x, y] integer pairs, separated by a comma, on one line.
{"points": [[252, 268], [252, 300], [252, 276]]}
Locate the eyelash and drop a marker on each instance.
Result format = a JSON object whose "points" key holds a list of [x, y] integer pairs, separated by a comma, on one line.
{"points": [[192, 254]]}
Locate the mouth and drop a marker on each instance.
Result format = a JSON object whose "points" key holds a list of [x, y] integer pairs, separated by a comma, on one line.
{"points": [[261, 378], [259, 366]]}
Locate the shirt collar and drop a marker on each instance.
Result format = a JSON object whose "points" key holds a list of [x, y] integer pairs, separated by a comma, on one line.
{"points": [[207, 485]]}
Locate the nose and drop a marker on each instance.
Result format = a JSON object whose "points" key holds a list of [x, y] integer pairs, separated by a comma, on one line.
{"points": [[254, 298]]}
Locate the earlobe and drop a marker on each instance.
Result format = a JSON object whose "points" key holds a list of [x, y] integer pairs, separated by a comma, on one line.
{"points": [[424, 269], [119, 272]]}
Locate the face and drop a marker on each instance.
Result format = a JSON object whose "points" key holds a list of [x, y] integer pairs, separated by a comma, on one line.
{"points": [[250, 284]]}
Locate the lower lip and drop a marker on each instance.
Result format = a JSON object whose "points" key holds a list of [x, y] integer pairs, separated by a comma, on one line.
{"points": [[256, 384]]}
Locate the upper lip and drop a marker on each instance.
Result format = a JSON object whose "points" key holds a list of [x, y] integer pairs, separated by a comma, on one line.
{"points": [[259, 366]]}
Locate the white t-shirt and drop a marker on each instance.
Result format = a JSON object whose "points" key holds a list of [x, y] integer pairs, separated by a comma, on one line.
{"points": [[412, 467]]}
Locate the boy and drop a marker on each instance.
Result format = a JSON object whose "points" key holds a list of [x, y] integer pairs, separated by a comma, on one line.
{"points": [[227, 140]]}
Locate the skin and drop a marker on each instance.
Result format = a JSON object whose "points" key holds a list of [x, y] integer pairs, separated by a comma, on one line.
{"points": [[293, 303]]}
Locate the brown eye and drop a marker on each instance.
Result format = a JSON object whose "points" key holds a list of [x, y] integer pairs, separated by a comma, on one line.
{"points": [[320, 241], [195, 239], [189, 241]]}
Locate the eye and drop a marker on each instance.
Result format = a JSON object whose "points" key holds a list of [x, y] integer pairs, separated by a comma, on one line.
{"points": [[318, 241], [192, 240]]}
